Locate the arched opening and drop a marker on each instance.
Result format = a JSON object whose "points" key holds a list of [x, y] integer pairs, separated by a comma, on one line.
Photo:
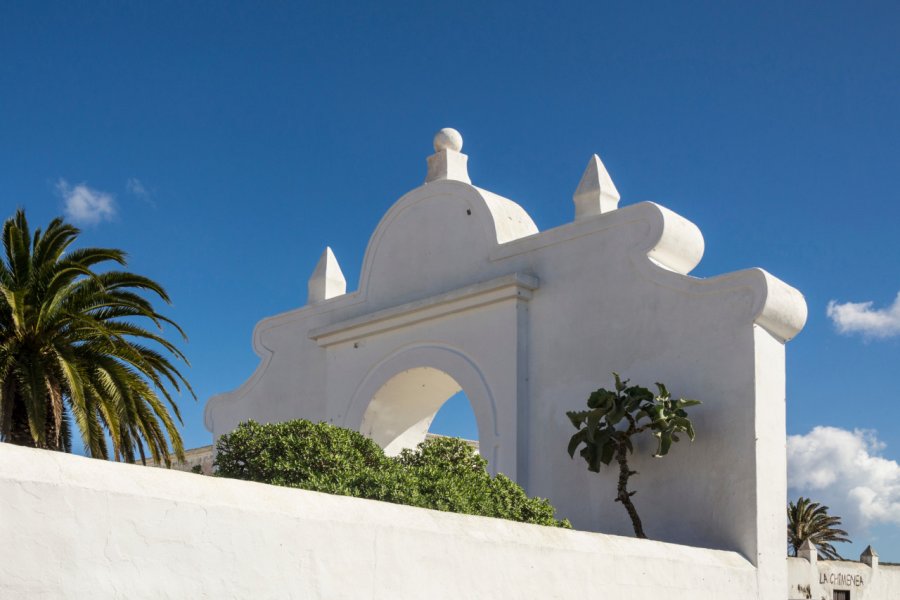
{"points": [[403, 410], [456, 418], [397, 401]]}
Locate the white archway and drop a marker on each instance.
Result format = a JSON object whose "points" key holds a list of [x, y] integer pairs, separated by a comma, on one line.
{"points": [[401, 412], [459, 289], [397, 400]]}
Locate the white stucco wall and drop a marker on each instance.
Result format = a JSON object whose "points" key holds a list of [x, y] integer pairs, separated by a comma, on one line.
{"points": [[818, 579], [528, 323], [74, 527]]}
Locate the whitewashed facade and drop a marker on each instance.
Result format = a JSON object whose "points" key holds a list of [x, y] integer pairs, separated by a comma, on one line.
{"points": [[867, 579]]}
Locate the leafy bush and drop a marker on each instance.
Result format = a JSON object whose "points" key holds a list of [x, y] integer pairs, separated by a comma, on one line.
{"points": [[313, 456], [441, 473], [451, 476]]}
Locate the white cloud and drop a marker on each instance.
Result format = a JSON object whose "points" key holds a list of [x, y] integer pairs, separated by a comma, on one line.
{"points": [[136, 187], [86, 205], [860, 317], [844, 470]]}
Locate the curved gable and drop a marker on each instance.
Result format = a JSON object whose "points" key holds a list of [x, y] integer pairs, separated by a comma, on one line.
{"points": [[437, 237]]}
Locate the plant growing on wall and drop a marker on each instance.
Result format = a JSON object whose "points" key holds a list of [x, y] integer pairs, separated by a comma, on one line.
{"points": [[808, 520], [613, 418]]}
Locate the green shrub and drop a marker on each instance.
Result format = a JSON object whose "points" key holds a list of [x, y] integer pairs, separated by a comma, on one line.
{"points": [[452, 476], [441, 473], [313, 456]]}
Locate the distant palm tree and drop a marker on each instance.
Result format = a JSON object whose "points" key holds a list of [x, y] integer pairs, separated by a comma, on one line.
{"points": [[809, 520], [72, 346]]}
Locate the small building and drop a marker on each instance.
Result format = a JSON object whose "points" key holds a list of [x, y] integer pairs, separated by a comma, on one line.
{"points": [[866, 579], [196, 460]]}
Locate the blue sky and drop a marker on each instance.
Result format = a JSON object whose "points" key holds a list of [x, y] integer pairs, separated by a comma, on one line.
{"points": [[224, 145]]}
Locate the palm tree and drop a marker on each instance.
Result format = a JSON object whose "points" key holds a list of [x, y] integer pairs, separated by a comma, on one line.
{"points": [[72, 345], [809, 520]]}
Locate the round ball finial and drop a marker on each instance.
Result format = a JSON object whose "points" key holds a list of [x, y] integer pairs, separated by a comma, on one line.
{"points": [[448, 139]]}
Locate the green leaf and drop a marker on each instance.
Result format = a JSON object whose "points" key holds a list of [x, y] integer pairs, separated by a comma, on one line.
{"points": [[593, 421], [620, 385], [601, 399], [640, 393], [589, 453], [665, 442], [577, 417], [603, 435], [575, 441], [607, 453], [618, 413]]}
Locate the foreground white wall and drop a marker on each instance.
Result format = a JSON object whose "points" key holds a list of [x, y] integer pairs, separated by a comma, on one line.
{"points": [[73, 527]]}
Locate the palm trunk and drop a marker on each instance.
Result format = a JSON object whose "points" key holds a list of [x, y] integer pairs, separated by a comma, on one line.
{"points": [[624, 495], [20, 432]]}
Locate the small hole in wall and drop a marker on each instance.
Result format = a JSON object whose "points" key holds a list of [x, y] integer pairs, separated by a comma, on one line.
{"points": [[468, 211]]}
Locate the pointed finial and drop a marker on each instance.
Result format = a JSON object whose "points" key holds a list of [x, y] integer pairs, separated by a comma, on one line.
{"points": [[327, 280], [448, 162], [869, 556], [596, 192], [808, 551]]}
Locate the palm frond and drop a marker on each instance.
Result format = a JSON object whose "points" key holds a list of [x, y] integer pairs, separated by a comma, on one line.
{"points": [[808, 520]]}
